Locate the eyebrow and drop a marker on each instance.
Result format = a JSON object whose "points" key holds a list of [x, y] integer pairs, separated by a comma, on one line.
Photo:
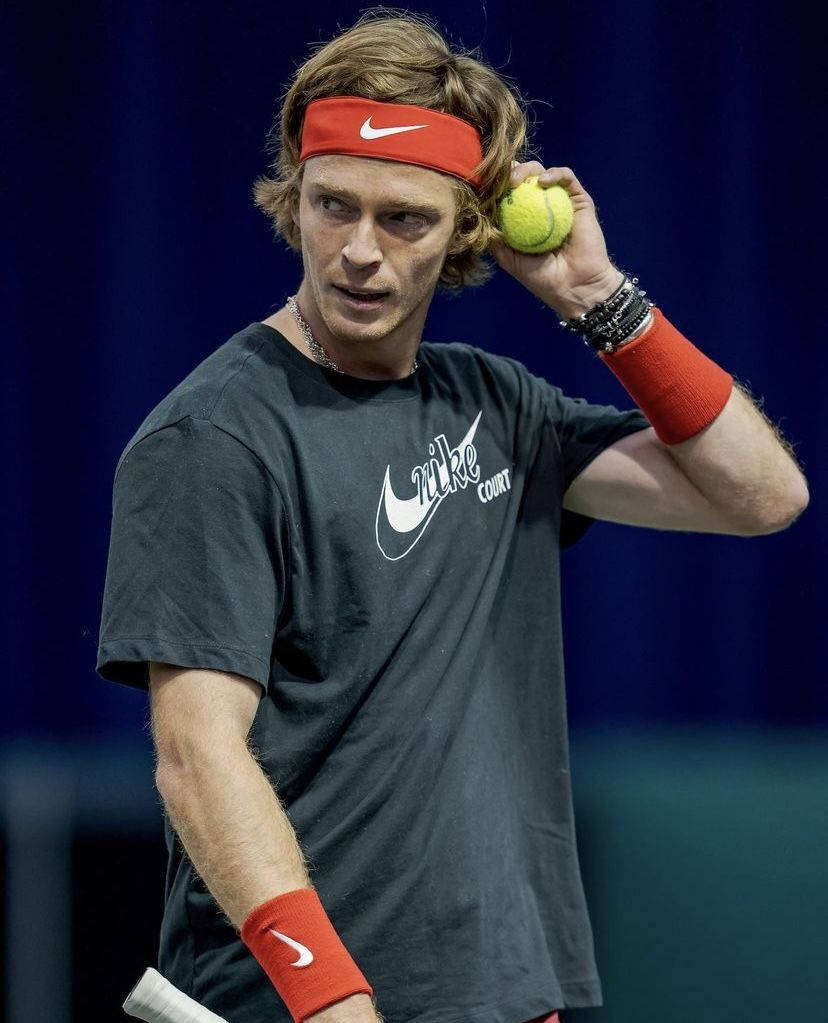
{"points": [[409, 205]]}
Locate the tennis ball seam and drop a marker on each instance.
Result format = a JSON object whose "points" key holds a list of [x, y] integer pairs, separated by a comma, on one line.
{"points": [[552, 220]]}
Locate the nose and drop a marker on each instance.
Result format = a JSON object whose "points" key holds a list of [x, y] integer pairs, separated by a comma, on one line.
{"points": [[362, 247]]}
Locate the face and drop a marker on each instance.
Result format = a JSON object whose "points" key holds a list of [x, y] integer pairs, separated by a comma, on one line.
{"points": [[373, 226]]}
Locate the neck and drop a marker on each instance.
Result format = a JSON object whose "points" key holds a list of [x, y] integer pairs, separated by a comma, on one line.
{"points": [[388, 357]]}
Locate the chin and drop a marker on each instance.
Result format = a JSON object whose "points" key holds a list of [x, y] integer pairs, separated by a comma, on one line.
{"points": [[340, 324], [350, 330]]}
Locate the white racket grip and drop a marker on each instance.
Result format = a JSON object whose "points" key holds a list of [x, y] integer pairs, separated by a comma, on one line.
{"points": [[155, 1000]]}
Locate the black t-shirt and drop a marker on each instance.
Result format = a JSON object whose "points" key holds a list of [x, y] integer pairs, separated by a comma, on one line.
{"points": [[382, 556]]}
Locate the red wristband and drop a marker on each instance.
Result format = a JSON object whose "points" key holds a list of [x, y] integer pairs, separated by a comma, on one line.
{"points": [[298, 948], [677, 387]]}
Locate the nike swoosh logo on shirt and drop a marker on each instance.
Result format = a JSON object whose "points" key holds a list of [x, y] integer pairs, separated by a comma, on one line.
{"points": [[367, 132], [405, 514], [305, 954], [443, 473]]}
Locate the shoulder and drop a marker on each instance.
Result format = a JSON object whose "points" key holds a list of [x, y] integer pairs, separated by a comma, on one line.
{"points": [[462, 353], [186, 454], [467, 365], [214, 400]]}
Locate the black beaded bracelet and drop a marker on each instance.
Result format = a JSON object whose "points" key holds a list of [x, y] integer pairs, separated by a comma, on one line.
{"points": [[607, 325]]}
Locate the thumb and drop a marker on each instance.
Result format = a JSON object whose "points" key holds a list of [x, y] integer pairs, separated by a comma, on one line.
{"points": [[505, 257], [501, 252]]}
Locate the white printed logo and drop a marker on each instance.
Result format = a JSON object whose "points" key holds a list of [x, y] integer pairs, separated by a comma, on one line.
{"points": [[499, 484], [305, 954], [367, 132], [446, 470]]}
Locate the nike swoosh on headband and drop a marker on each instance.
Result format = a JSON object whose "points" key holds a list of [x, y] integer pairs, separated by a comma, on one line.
{"points": [[367, 132], [305, 954]]}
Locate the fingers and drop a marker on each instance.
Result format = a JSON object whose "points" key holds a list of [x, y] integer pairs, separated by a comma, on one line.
{"points": [[521, 171], [560, 176], [564, 176]]}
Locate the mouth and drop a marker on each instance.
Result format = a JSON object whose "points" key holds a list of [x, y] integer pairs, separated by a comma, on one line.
{"points": [[359, 299]]}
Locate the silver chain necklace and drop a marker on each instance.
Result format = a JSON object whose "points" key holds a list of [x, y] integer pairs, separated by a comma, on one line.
{"points": [[312, 343]]}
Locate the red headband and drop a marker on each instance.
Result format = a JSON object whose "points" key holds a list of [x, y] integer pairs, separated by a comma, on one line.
{"points": [[353, 126]]}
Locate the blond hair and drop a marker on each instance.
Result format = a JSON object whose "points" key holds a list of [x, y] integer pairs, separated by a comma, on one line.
{"points": [[402, 58]]}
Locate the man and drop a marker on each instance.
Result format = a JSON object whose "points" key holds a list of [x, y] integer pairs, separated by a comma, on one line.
{"points": [[334, 564]]}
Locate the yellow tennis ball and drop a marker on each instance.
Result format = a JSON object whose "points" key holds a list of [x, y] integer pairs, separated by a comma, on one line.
{"points": [[533, 218]]}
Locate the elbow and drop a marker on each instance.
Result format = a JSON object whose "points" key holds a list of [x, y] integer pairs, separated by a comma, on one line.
{"points": [[186, 765], [782, 513], [168, 783], [176, 764]]}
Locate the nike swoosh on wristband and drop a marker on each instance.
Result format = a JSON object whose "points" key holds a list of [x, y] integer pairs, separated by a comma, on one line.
{"points": [[367, 132], [305, 954]]}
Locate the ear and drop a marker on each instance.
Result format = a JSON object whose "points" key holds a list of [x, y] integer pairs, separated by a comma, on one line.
{"points": [[456, 245], [297, 199], [459, 241]]}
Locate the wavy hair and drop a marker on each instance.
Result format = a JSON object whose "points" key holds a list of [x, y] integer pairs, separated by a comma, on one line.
{"points": [[400, 57]]}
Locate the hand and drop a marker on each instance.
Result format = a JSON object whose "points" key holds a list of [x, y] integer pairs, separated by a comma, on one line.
{"points": [[578, 274], [353, 1009]]}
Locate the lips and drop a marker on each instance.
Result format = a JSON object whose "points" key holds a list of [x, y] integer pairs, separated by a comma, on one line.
{"points": [[363, 293], [361, 301]]}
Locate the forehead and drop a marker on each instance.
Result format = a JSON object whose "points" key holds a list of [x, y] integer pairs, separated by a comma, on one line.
{"points": [[380, 180]]}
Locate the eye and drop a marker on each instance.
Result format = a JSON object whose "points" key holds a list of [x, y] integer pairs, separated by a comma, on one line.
{"points": [[325, 200], [414, 219]]}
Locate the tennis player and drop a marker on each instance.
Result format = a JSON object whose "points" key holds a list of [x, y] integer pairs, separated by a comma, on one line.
{"points": [[334, 562]]}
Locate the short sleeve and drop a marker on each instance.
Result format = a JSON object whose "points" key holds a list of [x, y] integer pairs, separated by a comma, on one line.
{"points": [[196, 568], [584, 430]]}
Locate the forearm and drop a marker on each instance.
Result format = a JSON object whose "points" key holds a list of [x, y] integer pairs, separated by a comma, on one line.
{"points": [[233, 827], [739, 461], [744, 466]]}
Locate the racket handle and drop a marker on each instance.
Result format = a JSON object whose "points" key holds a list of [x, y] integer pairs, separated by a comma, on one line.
{"points": [[155, 1000]]}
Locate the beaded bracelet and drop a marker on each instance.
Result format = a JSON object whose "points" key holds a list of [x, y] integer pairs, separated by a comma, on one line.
{"points": [[607, 325]]}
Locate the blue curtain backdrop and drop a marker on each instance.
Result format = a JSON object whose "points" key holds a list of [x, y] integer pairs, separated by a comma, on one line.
{"points": [[132, 134]]}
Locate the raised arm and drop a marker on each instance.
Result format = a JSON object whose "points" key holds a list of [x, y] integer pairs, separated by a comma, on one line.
{"points": [[711, 460]]}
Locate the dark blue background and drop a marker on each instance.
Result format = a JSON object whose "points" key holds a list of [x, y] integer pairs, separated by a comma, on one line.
{"points": [[137, 131], [131, 134]]}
